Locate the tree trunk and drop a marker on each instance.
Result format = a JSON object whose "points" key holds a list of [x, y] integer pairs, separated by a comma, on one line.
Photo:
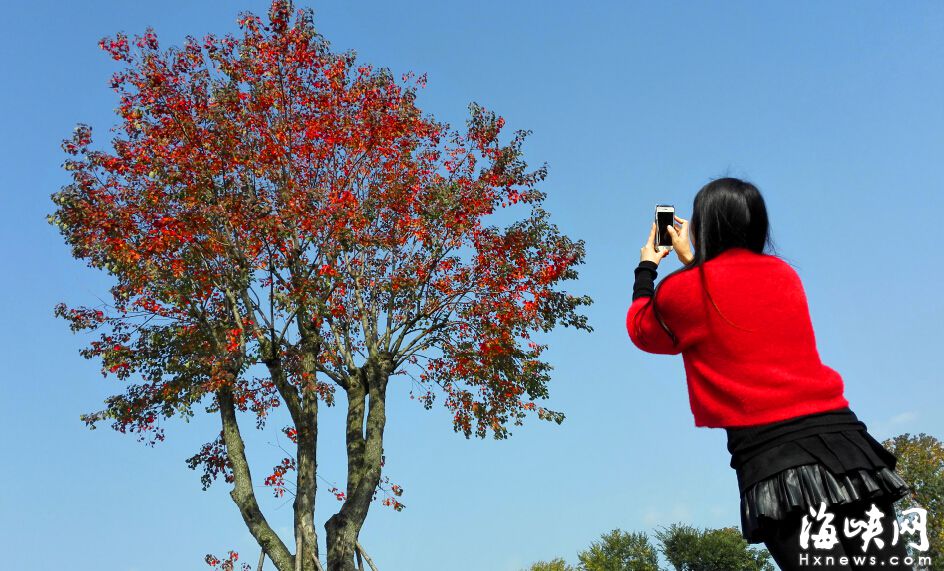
{"points": [[304, 413], [364, 454], [242, 492], [303, 409], [307, 466]]}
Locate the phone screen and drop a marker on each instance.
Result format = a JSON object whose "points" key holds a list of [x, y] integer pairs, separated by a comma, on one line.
{"points": [[664, 220]]}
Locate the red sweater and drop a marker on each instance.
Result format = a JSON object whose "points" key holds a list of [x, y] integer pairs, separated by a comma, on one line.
{"points": [[737, 377]]}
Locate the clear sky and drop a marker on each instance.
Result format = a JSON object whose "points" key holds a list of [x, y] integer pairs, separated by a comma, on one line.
{"points": [[835, 110]]}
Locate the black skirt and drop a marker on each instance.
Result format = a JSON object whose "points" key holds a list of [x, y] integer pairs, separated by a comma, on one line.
{"points": [[787, 467]]}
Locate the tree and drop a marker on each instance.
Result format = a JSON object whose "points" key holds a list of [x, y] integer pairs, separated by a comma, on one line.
{"points": [[921, 464], [725, 549], [620, 551], [557, 564], [282, 222]]}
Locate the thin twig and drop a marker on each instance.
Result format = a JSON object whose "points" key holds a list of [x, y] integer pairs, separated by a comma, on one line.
{"points": [[360, 549]]}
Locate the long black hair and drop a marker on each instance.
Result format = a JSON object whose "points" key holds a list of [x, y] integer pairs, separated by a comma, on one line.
{"points": [[727, 213]]}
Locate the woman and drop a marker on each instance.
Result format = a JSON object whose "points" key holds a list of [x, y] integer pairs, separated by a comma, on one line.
{"points": [[740, 319]]}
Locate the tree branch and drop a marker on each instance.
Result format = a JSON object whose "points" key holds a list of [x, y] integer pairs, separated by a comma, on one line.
{"points": [[360, 551], [242, 492]]}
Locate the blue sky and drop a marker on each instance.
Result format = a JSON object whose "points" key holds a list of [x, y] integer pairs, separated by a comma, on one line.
{"points": [[833, 109]]}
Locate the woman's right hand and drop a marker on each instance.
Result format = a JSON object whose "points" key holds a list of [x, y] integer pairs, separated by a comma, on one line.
{"points": [[680, 241]]}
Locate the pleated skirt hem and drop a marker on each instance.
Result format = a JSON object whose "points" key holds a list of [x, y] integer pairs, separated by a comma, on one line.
{"points": [[795, 490]]}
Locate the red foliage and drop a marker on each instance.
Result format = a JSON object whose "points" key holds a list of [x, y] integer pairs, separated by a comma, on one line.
{"points": [[228, 564], [260, 181], [212, 457], [277, 478]]}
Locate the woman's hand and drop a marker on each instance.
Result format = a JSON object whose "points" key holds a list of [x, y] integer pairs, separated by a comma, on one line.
{"points": [[649, 252], [680, 241]]}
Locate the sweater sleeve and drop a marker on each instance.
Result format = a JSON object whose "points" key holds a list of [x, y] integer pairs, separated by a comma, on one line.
{"points": [[644, 285], [643, 327]]}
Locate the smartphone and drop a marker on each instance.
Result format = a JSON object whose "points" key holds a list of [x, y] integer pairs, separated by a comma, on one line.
{"points": [[665, 217]]}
